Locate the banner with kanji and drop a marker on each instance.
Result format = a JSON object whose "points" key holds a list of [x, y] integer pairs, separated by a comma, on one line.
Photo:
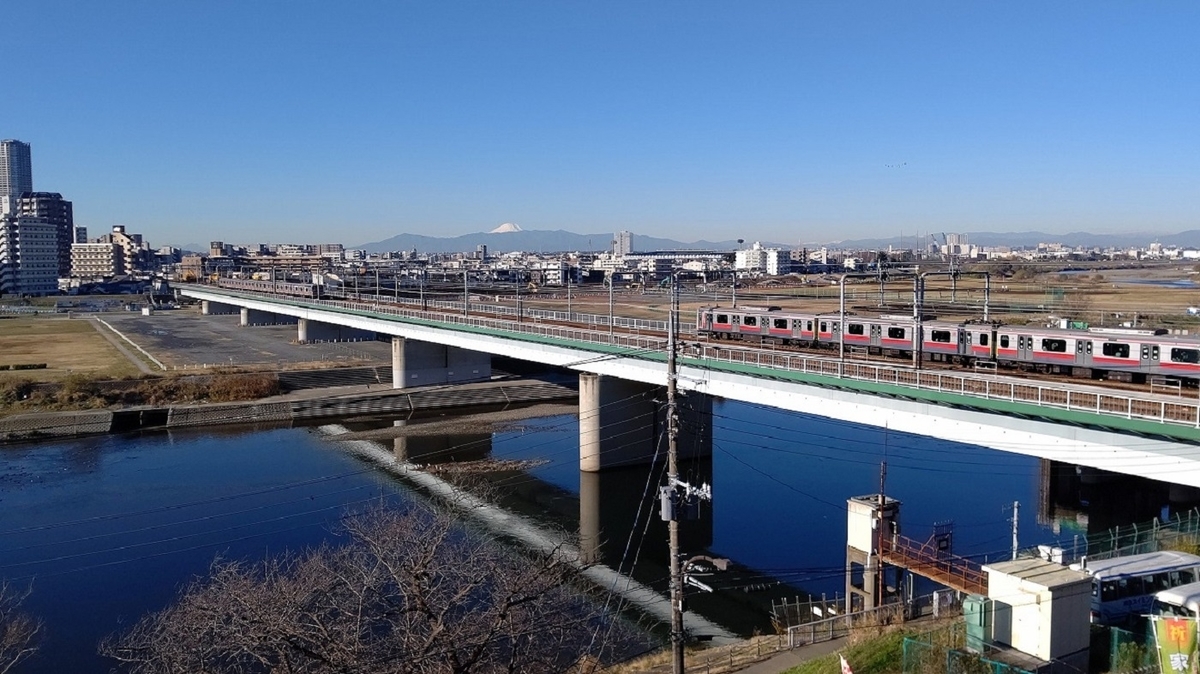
{"points": [[1177, 640]]}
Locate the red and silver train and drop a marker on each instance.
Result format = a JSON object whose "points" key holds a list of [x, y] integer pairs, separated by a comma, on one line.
{"points": [[1126, 354]]}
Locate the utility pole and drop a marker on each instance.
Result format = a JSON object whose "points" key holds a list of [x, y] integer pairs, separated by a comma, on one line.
{"points": [[1016, 513], [672, 479], [466, 294], [611, 276], [880, 586]]}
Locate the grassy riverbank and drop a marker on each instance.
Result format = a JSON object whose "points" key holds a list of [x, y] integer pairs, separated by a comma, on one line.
{"points": [[78, 392]]}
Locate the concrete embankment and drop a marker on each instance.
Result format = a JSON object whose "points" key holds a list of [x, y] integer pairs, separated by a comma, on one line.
{"points": [[310, 404]]}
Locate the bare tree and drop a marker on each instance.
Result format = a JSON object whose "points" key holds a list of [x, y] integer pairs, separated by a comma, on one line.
{"points": [[19, 632], [413, 591]]}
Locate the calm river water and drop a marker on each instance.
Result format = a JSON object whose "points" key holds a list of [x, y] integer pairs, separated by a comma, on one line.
{"points": [[107, 529]]}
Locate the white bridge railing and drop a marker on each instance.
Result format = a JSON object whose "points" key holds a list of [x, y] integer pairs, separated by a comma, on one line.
{"points": [[1175, 411]]}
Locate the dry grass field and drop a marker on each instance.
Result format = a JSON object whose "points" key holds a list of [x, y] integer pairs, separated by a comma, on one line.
{"points": [[66, 347]]}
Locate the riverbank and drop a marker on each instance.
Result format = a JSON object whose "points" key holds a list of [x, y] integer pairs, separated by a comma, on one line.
{"points": [[348, 401]]}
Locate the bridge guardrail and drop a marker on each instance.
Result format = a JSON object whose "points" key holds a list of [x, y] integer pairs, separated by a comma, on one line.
{"points": [[987, 386]]}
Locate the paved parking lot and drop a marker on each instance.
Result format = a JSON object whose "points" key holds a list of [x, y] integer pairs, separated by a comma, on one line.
{"points": [[183, 338]]}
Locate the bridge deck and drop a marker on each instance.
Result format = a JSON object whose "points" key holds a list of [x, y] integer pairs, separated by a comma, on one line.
{"points": [[1124, 411]]}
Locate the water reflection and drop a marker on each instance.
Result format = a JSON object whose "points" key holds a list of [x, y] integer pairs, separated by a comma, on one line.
{"points": [[110, 527]]}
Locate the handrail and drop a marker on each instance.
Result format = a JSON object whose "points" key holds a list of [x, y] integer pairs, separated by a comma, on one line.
{"points": [[1175, 411]]}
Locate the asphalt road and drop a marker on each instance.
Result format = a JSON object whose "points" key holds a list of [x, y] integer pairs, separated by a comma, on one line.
{"points": [[183, 338]]}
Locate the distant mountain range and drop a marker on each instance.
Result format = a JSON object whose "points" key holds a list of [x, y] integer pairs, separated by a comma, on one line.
{"points": [[533, 241], [551, 241]]}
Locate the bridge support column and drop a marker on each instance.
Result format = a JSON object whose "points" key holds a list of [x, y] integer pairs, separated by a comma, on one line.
{"points": [[308, 331], [621, 423], [210, 308], [422, 363], [399, 376]]}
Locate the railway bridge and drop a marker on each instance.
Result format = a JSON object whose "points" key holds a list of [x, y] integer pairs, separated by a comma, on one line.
{"points": [[621, 373]]}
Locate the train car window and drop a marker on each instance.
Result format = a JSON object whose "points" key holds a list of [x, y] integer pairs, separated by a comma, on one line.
{"points": [[808, 326], [1004, 341], [1056, 345], [983, 339], [1145, 352], [1115, 349], [1079, 346], [1154, 352], [780, 323], [940, 336], [896, 333], [855, 329], [1185, 355], [967, 336], [1089, 347], [750, 320], [722, 318], [824, 327]]}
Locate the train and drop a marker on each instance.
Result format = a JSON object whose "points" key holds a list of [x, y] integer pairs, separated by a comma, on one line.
{"points": [[1124, 354], [305, 290]]}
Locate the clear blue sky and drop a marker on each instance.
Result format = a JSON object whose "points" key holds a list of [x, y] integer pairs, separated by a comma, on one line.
{"points": [[254, 121]]}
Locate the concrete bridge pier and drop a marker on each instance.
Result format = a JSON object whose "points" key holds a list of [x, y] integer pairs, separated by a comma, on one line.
{"points": [[255, 317], [622, 423], [211, 308], [308, 331], [417, 363]]}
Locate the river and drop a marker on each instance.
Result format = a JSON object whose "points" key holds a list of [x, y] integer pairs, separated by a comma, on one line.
{"points": [[109, 528]]}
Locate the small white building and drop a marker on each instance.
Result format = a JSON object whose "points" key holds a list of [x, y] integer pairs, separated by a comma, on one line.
{"points": [[1041, 609]]}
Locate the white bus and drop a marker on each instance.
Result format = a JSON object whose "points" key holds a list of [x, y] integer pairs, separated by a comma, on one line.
{"points": [[1124, 587], [1179, 602]]}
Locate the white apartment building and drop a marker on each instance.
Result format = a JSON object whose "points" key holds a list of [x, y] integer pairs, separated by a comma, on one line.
{"points": [[771, 261], [28, 256], [97, 260]]}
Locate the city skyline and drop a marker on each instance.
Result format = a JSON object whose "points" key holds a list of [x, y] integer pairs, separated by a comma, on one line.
{"points": [[764, 122]]}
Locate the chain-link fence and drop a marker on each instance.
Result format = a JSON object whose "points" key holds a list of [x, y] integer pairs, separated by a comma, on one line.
{"points": [[944, 650]]}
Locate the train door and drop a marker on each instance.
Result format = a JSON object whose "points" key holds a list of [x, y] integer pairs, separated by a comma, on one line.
{"points": [[1150, 356], [1083, 352], [1025, 347], [964, 342], [876, 335]]}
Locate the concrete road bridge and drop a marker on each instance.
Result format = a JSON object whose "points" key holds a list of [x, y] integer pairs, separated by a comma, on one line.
{"points": [[622, 374]]}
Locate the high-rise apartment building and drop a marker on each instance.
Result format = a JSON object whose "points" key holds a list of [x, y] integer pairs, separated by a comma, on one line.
{"points": [[16, 170], [622, 243], [51, 207]]}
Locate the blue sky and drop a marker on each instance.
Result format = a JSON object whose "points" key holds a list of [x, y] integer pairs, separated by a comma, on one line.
{"points": [[257, 121]]}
